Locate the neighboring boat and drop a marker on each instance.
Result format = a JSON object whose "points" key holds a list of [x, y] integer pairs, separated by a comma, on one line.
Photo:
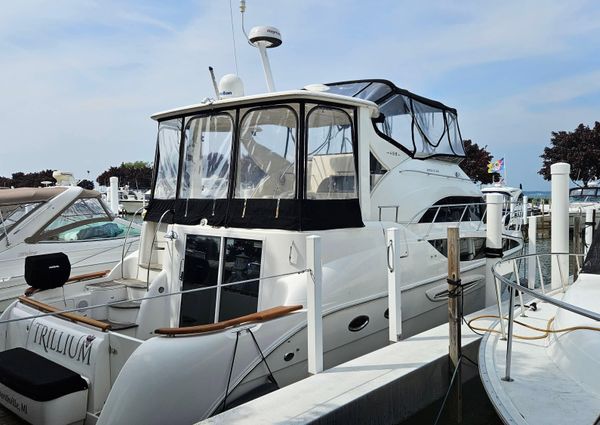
{"points": [[131, 201], [240, 183], [513, 203], [554, 371], [66, 219]]}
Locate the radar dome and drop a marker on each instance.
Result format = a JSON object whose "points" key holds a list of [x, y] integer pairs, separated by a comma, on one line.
{"points": [[231, 85]]}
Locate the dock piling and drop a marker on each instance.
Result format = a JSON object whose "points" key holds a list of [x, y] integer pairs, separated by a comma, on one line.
{"points": [[560, 223], [454, 320], [394, 293], [314, 304], [531, 249], [589, 228], [114, 194]]}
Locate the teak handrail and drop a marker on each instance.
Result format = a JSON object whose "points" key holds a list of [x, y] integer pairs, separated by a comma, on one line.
{"points": [[259, 316], [70, 316], [88, 276]]}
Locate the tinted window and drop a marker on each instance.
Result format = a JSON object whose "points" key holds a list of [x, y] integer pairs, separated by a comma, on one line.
{"points": [[200, 270], [242, 262]]}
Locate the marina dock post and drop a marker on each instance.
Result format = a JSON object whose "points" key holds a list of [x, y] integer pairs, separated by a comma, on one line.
{"points": [[493, 244], [394, 292], [589, 229], [314, 304], [577, 248], [454, 320], [560, 224], [524, 208], [531, 249], [114, 194]]}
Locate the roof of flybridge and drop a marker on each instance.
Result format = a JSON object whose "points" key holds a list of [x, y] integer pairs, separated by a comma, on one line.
{"points": [[266, 97]]}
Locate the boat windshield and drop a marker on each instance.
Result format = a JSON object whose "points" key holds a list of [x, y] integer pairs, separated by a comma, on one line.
{"points": [[422, 127], [586, 194], [266, 165], [10, 215]]}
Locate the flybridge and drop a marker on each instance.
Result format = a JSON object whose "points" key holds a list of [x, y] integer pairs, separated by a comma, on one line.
{"points": [[421, 127]]}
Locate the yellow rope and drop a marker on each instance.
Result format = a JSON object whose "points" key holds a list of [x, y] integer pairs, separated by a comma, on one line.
{"points": [[545, 332]]}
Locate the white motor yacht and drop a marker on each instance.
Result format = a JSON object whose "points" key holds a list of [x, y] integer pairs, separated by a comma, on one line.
{"points": [[209, 312], [65, 219]]}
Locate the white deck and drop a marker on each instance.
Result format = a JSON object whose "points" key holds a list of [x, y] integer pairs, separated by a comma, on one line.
{"points": [[541, 393], [319, 395]]}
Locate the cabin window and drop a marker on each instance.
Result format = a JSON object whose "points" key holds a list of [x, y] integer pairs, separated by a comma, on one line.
{"points": [[207, 151], [86, 219], [169, 136], [455, 209], [470, 248], [211, 262], [377, 170], [266, 160], [330, 165]]}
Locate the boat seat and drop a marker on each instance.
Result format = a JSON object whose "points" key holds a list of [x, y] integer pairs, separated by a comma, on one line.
{"points": [[36, 377]]}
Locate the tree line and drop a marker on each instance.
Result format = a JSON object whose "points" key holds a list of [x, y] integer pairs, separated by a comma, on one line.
{"points": [[137, 175]]}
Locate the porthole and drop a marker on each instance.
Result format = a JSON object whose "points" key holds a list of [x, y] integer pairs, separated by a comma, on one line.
{"points": [[358, 323], [288, 356]]}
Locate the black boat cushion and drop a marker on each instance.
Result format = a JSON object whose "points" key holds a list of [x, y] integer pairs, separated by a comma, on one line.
{"points": [[47, 271], [36, 377]]}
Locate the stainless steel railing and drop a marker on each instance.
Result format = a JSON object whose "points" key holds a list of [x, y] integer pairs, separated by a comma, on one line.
{"points": [[515, 285]]}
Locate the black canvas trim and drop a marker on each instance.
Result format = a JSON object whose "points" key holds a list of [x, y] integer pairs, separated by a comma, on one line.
{"points": [[285, 214], [157, 207]]}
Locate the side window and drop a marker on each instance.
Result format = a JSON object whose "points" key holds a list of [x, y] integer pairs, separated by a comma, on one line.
{"points": [[169, 136], [377, 170], [266, 162], [85, 219], [205, 173], [330, 165]]}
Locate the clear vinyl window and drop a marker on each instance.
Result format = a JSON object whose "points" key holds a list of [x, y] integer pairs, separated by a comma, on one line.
{"points": [[330, 165], [266, 160], [207, 151], [169, 136]]}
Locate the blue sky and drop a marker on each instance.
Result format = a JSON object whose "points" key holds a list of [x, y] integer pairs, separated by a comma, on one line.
{"points": [[79, 79]]}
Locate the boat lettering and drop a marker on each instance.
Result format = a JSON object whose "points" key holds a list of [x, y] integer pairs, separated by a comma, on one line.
{"points": [[20, 406], [51, 339]]}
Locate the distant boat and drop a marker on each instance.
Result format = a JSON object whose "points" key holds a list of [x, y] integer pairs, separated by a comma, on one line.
{"points": [[65, 219]]}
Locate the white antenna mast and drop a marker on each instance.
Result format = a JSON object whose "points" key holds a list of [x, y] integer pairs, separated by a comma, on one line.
{"points": [[263, 38]]}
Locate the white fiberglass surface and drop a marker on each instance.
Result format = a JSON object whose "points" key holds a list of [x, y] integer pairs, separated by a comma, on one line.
{"points": [[208, 141], [266, 160], [169, 136]]}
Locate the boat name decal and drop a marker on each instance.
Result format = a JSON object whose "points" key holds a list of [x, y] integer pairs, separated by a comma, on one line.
{"points": [[51, 339], [9, 399], [432, 170]]}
